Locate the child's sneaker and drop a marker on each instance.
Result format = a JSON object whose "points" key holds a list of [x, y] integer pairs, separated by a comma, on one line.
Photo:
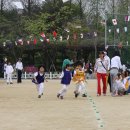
{"points": [[39, 96], [76, 94], [84, 95], [58, 95], [61, 97]]}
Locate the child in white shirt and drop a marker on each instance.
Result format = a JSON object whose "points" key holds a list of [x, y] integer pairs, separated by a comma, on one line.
{"points": [[9, 71]]}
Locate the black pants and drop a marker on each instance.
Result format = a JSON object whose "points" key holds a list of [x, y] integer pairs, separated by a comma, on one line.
{"points": [[19, 72], [109, 82]]}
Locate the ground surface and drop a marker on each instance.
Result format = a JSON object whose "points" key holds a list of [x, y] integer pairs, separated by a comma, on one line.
{"points": [[20, 109]]}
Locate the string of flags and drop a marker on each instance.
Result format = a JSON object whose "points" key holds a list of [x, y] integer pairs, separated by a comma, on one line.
{"points": [[115, 21], [118, 30], [42, 37]]}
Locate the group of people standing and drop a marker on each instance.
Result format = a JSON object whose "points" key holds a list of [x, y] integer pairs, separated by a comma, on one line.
{"points": [[109, 71], [9, 70]]}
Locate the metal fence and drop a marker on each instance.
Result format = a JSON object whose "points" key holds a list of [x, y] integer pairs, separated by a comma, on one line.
{"points": [[31, 75]]}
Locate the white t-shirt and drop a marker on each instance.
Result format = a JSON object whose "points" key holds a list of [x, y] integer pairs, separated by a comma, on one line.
{"points": [[19, 65], [36, 74], [9, 69], [116, 62], [99, 67]]}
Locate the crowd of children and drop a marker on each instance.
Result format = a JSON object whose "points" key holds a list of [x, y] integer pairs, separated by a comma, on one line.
{"points": [[120, 87]]}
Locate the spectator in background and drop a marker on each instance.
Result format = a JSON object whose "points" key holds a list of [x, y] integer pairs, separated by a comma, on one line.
{"points": [[66, 62], [19, 68], [108, 75], [115, 66], [5, 65], [101, 67]]}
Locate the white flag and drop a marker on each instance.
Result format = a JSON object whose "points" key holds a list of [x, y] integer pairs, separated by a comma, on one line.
{"points": [[81, 35], [61, 38], [114, 21], [68, 37], [109, 30], [65, 1], [117, 30], [125, 29]]}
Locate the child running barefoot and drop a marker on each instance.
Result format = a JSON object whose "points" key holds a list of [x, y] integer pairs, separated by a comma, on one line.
{"points": [[39, 78], [79, 79], [65, 81]]}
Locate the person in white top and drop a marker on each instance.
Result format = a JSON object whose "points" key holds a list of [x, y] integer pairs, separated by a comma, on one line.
{"points": [[115, 66], [101, 67], [108, 78], [5, 75], [9, 71], [19, 68]]}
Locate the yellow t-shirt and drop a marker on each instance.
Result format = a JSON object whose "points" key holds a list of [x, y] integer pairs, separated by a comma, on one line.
{"points": [[80, 75]]}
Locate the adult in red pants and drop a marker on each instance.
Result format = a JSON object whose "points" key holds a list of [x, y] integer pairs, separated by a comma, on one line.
{"points": [[101, 67]]}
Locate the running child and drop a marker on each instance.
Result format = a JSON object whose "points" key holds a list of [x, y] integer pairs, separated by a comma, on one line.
{"points": [[9, 70], [39, 78], [65, 81], [79, 79]]}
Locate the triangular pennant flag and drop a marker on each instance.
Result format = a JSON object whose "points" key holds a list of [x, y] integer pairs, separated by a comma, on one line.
{"points": [[41, 39], [81, 35], [109, 30], [16, 43], [125, 29], [75, 36], [61, 38], [48, 40], [20, 41], [68, 37], [4, 44], [28, 42], [65, 1], [54, 34], [35, 41], [127, 18], [43, 35], [117, 30], [114, 21]]}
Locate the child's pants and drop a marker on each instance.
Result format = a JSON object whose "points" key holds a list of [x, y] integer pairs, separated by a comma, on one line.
{"points": [[5, 75], [63, 90], [9, 78], [40, 88], [80, 87]]}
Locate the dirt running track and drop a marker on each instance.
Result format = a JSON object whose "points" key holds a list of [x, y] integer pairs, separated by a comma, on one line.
{"points": [[20, 109]]}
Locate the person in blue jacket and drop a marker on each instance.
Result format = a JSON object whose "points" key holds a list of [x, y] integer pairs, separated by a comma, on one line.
{"points": [[65, 81]]}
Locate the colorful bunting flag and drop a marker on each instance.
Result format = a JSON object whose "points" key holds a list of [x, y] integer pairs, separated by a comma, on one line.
{"points": [[75, 36], [43, 35], [127, 18], [81, 35], [125, 29], [20, 41], [68, 37], [4, 44], [118, 30], [35, 41], [28, 42], [109, 30], [61, 38], [54, 34], [114, 21]]}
